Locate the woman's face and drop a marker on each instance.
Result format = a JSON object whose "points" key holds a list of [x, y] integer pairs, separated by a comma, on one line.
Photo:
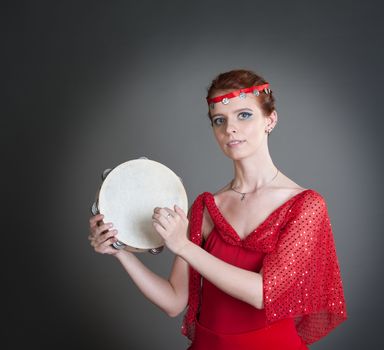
{"points": [[239, 127]]}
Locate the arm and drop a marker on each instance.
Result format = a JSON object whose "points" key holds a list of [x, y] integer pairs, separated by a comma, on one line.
{"points": [[240, 283], [302, 274], [169, 295]]}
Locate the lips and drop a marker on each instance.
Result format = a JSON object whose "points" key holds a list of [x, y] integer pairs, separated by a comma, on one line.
{"points": [[235, 142]]}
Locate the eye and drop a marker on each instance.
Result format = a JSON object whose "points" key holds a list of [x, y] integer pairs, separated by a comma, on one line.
{"points": [[218, 121], [245, 115]]}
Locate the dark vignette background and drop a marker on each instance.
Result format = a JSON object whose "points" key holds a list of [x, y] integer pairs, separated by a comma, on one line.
{"points": [[88, 85]]}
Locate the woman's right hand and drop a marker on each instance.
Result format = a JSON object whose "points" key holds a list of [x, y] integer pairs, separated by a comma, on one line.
{"points": [[102, 236]]}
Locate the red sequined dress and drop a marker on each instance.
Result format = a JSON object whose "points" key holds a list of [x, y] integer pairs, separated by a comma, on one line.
{"points": [[302, 287]]}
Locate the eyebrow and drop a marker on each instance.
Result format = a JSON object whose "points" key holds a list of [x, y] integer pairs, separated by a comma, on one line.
{"points": [[236, 111]]}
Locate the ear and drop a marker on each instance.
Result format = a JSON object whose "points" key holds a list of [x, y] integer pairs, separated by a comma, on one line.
{"points": [[272, 119]]}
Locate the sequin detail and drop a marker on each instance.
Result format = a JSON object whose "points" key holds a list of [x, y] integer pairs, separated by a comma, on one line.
{"points": [[301, 276], [195, 223]]}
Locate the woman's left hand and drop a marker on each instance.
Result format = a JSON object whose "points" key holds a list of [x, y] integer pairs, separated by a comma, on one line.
{"points": [[172, 225]]}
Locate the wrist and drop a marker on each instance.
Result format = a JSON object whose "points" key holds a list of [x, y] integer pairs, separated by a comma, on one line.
{"points": [[183, 252], [122, 254]]}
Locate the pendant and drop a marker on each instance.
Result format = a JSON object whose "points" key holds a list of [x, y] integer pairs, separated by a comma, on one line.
{"points": [[242, 196]]}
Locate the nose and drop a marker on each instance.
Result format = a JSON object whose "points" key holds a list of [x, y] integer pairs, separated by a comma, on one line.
{"points": [[231, 128]]}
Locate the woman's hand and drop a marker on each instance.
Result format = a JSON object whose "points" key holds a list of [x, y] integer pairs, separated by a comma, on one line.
{"points": [[101, 235], [172, 226]]}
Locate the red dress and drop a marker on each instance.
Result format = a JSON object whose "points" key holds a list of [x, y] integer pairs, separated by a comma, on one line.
{"points": [[302, 288]]}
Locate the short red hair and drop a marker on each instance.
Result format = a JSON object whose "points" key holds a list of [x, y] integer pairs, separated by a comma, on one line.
{"points": [[239, 79]]}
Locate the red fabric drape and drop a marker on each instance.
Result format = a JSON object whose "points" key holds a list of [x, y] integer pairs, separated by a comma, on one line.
{"points": [[301, 276]]}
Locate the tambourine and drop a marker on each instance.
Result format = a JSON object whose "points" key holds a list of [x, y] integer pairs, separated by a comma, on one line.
{"points": [[127, 196]]}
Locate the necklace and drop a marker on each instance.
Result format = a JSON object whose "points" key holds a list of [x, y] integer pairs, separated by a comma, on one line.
{"points": [[244, 193]]}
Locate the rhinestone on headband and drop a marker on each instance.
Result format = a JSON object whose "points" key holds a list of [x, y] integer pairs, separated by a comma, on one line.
{"points": [[224, 99]]}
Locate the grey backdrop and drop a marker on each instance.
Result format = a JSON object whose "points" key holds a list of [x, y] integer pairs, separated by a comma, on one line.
{"points": [[89, 85]]}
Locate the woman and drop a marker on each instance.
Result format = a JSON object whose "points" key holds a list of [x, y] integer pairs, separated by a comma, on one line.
{"points": [[255, 262]]}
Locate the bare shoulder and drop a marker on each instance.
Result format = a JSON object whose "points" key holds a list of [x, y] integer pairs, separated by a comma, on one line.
{"points": [[292, 188], [289, 185]]}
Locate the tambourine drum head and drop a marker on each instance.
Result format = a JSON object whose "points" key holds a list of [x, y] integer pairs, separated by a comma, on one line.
{"points": [[129, 194]]}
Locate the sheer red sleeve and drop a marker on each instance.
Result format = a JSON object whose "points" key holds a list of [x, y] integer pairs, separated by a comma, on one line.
{"points": [[195, 235], [301, 275]]}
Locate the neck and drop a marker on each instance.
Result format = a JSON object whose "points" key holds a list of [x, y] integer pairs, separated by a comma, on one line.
{"points": [[253, 172]]}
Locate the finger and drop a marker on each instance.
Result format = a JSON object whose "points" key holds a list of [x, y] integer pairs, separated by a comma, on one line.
{"points": [[102, 228], [158, 210], [94, 219], [168, 213], [181, 212], [161, 216], [105, 237], [160, 229], [161, 220], [163, 211], [156, 216], [106, 246], [99, 230]]}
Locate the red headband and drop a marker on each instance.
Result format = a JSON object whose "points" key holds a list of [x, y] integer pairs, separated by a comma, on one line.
{"points": [[241, 93]]}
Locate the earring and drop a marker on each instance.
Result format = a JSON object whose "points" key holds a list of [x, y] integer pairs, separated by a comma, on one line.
{"points": [[268, 131]]}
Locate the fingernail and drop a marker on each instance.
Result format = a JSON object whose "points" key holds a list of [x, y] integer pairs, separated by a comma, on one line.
{"points": [[110, 225]]}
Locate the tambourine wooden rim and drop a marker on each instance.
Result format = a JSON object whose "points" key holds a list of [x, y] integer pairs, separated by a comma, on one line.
{"points": [[127, 196]]}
